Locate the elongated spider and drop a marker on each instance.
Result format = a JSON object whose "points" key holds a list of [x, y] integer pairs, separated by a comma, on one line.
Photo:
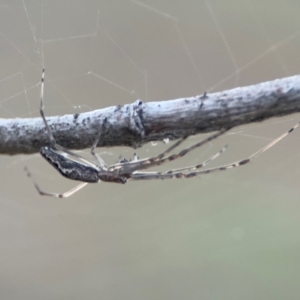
{"points": [[75, 167]]}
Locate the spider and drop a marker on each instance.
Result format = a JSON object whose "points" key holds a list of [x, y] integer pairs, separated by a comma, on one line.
{"points": [[75, 167]]}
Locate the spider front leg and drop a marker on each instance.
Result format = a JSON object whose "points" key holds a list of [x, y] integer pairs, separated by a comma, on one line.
{"points": [[53, 143]]}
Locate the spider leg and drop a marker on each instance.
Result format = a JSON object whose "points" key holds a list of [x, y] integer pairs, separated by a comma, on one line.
{"points": [[176, 174], [51, 137], [203, 164], [159, 175], [58, 147], [130, 167], [56, 195], [175, 145], [172, 173], [100, 161], [274, 142], [123, 162]]}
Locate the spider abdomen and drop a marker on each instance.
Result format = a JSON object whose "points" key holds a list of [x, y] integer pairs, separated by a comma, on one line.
{"points": [[70, 168]]}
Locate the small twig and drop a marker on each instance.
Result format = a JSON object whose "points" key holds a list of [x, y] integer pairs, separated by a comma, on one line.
{"points": [[138, 123]]}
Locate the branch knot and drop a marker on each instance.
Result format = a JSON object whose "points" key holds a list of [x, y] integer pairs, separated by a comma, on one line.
{"points": [[136, 118]]}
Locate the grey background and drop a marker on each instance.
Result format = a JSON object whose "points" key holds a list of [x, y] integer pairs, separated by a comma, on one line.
{"points": [[228, 235]]}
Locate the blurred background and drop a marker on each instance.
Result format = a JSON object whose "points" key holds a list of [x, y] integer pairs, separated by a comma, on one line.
{"points": [[227, 235]]}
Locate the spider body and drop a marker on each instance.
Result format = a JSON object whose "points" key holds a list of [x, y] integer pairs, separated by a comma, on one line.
{"points": [[75, 167]]}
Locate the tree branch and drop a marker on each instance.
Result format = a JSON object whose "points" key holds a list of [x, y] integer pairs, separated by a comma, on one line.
{"points": [[138, 123]]}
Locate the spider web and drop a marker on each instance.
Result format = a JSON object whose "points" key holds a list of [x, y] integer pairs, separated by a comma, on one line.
{"points": [[103, 53]]}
